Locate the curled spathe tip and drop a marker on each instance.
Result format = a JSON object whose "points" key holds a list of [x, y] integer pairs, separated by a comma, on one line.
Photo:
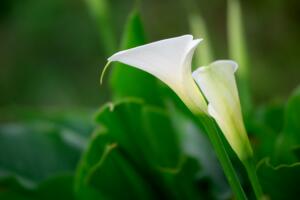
{"points": [[103, 72]]}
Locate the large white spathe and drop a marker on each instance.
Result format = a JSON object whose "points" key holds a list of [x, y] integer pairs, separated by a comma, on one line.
{"points": [[218, 85], [170, 61]]}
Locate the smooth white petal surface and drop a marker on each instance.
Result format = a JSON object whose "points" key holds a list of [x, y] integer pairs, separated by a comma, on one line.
{"points": [[217, 82], [170, 61]]}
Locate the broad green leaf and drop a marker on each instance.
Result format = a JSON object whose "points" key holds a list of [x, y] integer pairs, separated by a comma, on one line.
{"points": [[180, 182], [115, 173], [281, 182], [262, 138], [128, 81], [32, 152], [104, 170], [274, 131], [77, 120], [93, 154], [134, 127], [272, 116], [37, 148], [264, 128], [145, 136], [289, 140]]}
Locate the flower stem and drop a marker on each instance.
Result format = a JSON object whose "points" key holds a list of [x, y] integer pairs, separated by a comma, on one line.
{"points": [[251, 171], [210, 128]]}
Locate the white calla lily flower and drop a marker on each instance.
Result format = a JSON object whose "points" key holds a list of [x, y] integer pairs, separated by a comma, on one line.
{"points": [[217, 83], [170, 61]]}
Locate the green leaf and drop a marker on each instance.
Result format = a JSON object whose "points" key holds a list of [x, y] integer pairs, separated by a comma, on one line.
{"points": [[182, 182], [93, 154], [263, 140], [272, 116], [116, 173], [134, 127], [77, 120], [127, 81], [289, 139], [274, 131], [281, 182], [137, 144], [264, 129], [32, 152], [104, 170]]}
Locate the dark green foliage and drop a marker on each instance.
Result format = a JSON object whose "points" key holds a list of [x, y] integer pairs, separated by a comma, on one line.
{"points": [[17, 157], [276, 139], [137, 152], [281, 182], [39, 152]]}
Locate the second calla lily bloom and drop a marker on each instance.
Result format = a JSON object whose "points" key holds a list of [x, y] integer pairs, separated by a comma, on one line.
{"points": [[170, 61], [218, 85]]}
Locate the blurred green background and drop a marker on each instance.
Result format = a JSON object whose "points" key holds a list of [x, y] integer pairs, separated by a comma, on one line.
{"points": [[51, 54]]}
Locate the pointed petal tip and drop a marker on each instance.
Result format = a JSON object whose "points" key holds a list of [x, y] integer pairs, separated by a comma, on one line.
{"points": [[115, 57], [199, 40], [195, 42]]}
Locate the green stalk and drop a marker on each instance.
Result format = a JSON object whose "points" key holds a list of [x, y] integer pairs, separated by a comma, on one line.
{"points": [[238, 51], [101, 13], [211, 130], [251, 171], [204, 54]]}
